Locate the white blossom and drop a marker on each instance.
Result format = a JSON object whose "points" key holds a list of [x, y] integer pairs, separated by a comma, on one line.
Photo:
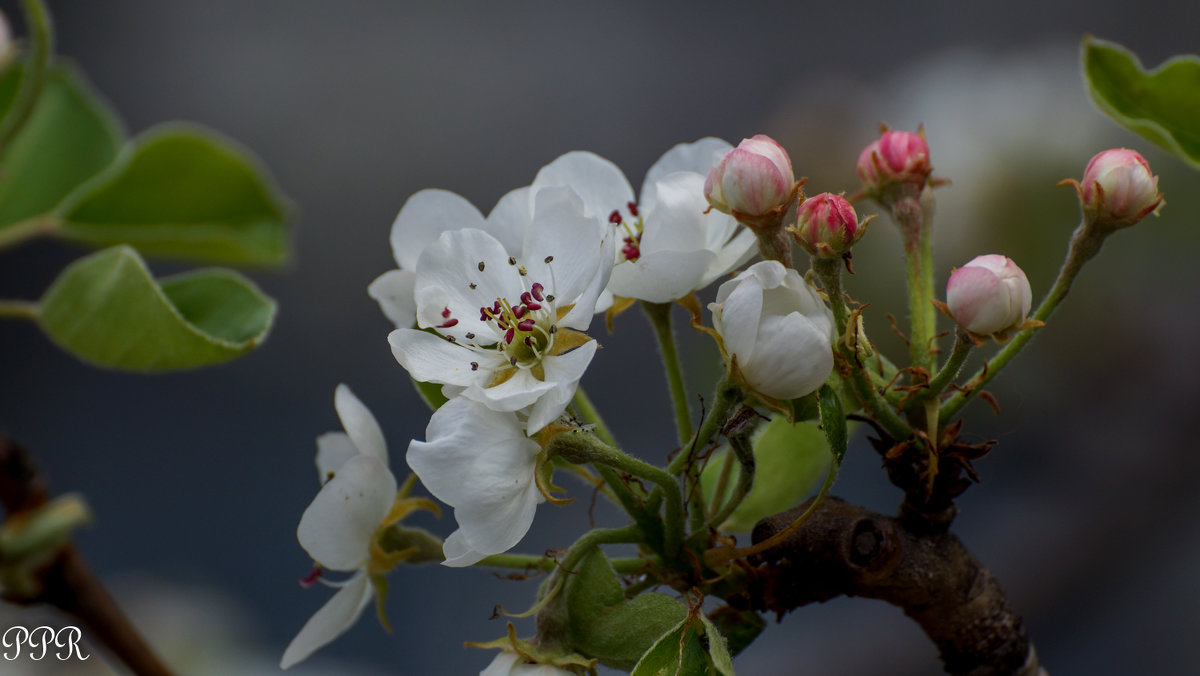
{"points": [[509, 663]]}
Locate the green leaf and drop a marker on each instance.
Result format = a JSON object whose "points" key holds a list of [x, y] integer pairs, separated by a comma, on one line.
{"points": [[106, 309], [182, 192], [694, 647], [789, 460], [833, 422], [70, 136], [603, 625], [1162, 105]]}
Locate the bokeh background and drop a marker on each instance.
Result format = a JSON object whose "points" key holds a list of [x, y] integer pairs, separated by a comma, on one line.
{"points": [[1087, 512]]}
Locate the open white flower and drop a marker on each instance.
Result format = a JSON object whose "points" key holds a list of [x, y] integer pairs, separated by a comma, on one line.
{"points": [[506, 329], [778, 328], [669, 246], [480, 462], [338, 527]]}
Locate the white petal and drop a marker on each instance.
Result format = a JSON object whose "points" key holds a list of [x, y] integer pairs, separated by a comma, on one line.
{"points": [[502, 665], [740, 316], [661, 276], [599, 183], [458, 554], [393, 290], [564, 371], [676, 221], [331, 621], [431, 359], [360, 425], [596, 297], [336, 528], [333, 450], [449, 277], [519, 391], [698, 157], [425, 216], [510, 218], [793, 357], [734, 253], [574, 243]]}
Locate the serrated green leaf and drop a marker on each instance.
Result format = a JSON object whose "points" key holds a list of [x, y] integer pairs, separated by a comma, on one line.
{"points": [[106, 309], [430, 393], [1162, 105], [70, 136], [833, 422], [181, 191], [789, 460], [693, 647], [602, 624]]}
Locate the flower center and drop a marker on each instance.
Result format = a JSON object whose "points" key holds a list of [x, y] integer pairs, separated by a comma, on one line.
{"points": [[632, 229], [527, 327]]}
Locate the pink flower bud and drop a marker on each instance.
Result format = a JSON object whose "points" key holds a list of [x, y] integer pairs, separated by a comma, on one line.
{"points": [[989, 295], [826, 225], [898, 158], [752, 179], [1118, 188]]}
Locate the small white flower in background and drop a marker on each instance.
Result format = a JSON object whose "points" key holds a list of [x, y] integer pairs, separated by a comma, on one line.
{"points": [[511, 664], [778, 329], [989, 295], [509, 326], [338, 529], [480, 462], [668, 246]]}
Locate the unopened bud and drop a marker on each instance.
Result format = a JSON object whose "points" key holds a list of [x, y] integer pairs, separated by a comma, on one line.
{"points": [[1118, 189], [899, 160], [989, 295], [752, 180], [826, 225]]}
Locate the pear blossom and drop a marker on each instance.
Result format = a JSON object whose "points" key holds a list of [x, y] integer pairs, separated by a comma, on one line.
{"points": [[503, 329], [989, 295], [897, 160], [826, 225], [339, 526], [480, 462], [509, 663], [1118, 188], [777, 328], [668, 246]]}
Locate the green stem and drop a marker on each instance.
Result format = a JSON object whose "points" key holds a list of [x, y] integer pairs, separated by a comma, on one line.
{"points": [[17, 233], [726, 395], [741, 448], [722, 483], [599, 536], [41, 35], [578, 446], [530, 562], [1085, 244], [830, 273], [918, 269], [660, 318], [586, 410], [954, 364], [19, 309]]}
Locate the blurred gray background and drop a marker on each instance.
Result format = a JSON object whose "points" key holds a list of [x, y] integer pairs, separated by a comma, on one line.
{"points": [[1087, 511]]}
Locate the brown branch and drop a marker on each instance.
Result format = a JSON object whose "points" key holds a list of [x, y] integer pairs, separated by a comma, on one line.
{"points": [[67, 582], [847, 550]]}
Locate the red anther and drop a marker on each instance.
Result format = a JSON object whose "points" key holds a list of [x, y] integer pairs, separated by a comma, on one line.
{"points": [[531, 306], [631, 251], [519, 311], [496, 309], [508, 336], [632, 209], [529, 341], [446, 313], [448, 324], [526, 298], [525, 325], [615, 217], [311, 579], [537, 291], [484, 314]]}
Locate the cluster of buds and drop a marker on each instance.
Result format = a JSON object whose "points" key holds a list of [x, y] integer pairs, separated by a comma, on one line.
{"points": [[897, 165], [1118, 189]]}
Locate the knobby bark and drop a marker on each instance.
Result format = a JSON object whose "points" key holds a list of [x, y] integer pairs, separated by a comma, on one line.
{"points": [[845, 549], [66, 582]]}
